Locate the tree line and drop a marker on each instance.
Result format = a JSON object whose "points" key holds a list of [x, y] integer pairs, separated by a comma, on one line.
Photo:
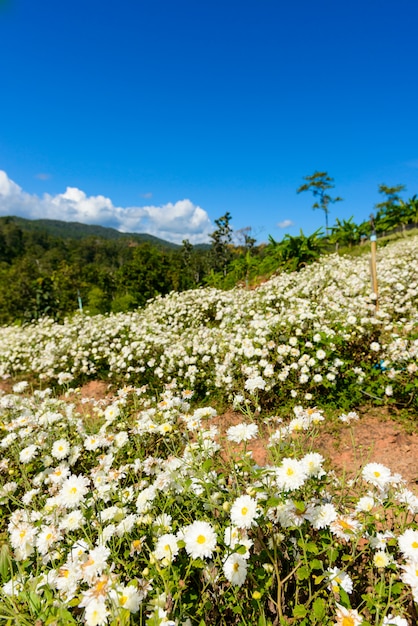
{"points": [[42, 274]]}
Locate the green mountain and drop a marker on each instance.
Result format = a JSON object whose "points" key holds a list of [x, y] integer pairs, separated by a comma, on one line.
{"points": [[76, 230]]}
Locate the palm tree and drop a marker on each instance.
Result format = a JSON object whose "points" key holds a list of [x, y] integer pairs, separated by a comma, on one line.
{"points": [[345, 233]]}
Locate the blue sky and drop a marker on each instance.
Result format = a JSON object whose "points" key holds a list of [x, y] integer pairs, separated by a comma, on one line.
{"points": [[161, 115]]}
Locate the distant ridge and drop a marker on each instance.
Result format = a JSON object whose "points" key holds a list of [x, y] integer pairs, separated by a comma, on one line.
{"points": [[76, 230]]}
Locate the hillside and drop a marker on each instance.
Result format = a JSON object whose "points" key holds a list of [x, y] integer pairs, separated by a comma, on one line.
{"points": [[76, 230]]}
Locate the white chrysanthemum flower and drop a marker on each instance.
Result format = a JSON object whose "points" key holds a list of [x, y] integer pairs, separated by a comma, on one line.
{"points": [[408, 544], [22, 539], [60, 449], [377, 474], [290, 475], [339, 579], [244, 512], [127, 597], [111, 413], [96, 613], [242, 432], [96, 563], [349, 417], [59, 474], [72, 521], [345, 527], [251, 384], [313, 464], [392, 620], [365, 504], [322, 515], [347, 617], [166, 547], [27, 454], [375, 346], [235, 569], [200, 539], [47, 536], [382, 559], [73, 490]]}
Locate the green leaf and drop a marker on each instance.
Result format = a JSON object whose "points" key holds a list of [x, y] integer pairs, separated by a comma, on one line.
{"points": [[319, 609], [272, 502], [316, 564], [312, 547], [344, 599], [299, 610], [303, 572]]}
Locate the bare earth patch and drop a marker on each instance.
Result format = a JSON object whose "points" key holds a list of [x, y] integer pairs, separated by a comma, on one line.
{"points": [[375, 437]]}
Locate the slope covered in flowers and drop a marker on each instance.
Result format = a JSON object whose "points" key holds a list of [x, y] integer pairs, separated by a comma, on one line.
{"points": [[308, 332], [134, 515]]}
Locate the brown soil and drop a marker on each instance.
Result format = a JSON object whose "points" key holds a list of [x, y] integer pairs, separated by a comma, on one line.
{"points": [[375, 437]]}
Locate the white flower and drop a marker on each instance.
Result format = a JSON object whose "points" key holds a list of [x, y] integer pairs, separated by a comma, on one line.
{"points": [[242, 432], [374, 346], [251, 384], [60, 449], [338, 579], [365, 504], [377, 474], [73, 490], [291, 474], [96, 613], [96, 563], [408, 544], [47, 536], [382, 559], [391, 620], [345, 527], [27, 454], [200, 539], [313, 464], [244, 512], [166, 547], [321, 516], [72, 521], [235, 569], [347, 617], [111, 413], [126, 596]]}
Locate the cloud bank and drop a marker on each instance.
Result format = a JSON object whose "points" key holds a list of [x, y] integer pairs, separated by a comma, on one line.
{"points": [[172, 221], [285, 224]]}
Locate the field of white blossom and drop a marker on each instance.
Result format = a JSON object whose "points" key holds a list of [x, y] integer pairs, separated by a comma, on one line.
{"points": [[135, 514]]}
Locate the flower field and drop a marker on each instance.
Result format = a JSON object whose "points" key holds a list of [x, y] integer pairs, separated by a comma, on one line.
{"points": [[134, 510]]}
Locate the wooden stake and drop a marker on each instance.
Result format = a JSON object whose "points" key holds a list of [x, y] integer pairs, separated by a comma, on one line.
{"points": [[373, 241]]}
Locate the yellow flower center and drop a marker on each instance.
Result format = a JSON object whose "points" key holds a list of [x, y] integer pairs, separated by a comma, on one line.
{"points": [[235, 567], [415, 544], [73, 490], [377, 474], [348, 621], [201, 539], [123, 600], [345, 526], [289, 471], [244, 510]]}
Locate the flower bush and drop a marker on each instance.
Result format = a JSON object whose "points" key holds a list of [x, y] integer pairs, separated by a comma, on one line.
{"points": [[141, 513]]}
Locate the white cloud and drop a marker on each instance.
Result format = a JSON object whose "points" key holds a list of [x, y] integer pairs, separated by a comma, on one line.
{"points": [[285, 224], [172, 221]]}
